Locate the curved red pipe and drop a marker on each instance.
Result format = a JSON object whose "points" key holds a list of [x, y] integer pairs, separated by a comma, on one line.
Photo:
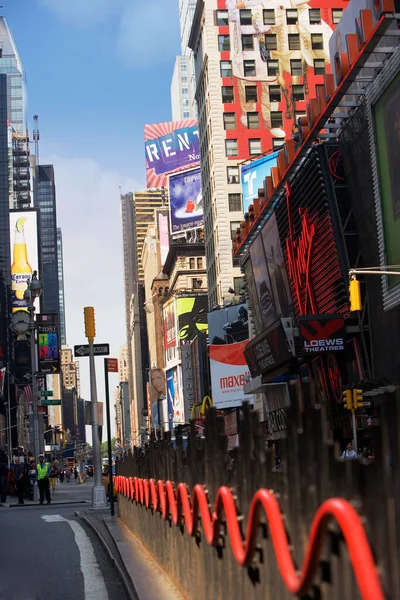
{"points": [[177, 505]]}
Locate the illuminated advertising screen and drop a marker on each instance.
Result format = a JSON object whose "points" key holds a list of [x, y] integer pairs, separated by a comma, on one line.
{"points": [[192, 316], [228, 336], [186, 201], [24, 254], [169, 325], [49, 343], [253, 175], [170, 147], [386, 114], [175, 397], [262, 281]]}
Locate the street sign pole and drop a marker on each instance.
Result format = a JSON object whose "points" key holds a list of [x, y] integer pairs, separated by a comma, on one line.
{"points": [[110, 473], [99, 499], [353, 420]]}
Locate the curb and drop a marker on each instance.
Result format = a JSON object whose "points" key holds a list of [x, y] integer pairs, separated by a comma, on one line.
{"points": [[38, 504], [124, 576]]}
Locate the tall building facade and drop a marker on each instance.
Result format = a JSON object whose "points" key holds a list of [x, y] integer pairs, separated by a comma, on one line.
{"points": [[46, 203], [61, 292], [123, 364], [11, 65], [182, 94], [255, 68]]}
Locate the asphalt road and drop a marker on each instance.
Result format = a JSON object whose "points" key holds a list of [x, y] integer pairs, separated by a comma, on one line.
{"points": [[46, 553]]}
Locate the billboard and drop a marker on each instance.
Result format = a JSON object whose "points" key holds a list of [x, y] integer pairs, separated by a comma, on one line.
{"points": [[386, 116], [262, 283], [170, 147], [277, 268], [163, 236], [253, 175], [49, 354], [175, 397], [228, 336], [192, 316], [186, 201], [169, 325], [24, 254]]}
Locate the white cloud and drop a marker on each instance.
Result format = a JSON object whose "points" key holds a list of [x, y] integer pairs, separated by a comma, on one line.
{"points": [[88, 212], [147, 33]]}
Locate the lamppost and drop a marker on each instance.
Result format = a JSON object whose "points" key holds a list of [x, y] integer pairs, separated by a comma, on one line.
{"points": [[33, 291]]}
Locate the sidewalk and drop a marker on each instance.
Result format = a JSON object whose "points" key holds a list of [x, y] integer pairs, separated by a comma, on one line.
{"points": [[65, 493], [143, 577]]}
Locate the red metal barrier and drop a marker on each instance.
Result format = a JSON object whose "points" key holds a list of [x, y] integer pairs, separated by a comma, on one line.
{"points": [[177, 506]]}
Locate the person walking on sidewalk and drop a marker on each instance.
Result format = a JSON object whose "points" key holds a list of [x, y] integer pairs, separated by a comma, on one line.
{"points": [[53, 476], [3, 476], [20, 479], [43, 472]]}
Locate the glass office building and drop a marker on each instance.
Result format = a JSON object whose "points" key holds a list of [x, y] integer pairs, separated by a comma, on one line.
{"points": [[11, 66], [46, 203], [60, 262]]}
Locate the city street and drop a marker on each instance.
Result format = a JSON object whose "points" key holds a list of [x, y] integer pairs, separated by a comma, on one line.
{"points": [[48, 553]]}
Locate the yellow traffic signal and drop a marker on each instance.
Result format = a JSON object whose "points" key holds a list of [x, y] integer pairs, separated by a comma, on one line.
{"points": [[355, 295], [348, 399], [357, 399], [90, 327]]}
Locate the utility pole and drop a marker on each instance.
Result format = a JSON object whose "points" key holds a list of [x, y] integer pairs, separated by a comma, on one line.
{"points": [[110, 365], [99, 499]]}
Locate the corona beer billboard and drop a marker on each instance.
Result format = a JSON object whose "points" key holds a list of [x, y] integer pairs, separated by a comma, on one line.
{"points": [[24, 254]]}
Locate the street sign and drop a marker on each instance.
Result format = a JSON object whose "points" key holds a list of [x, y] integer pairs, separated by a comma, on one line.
{"points": [[366, 404], [99, 350], [46, 393], [50, 402], [112, 365]]}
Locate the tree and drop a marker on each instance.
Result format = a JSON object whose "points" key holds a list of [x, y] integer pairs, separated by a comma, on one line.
{"points": [[104, 447]]}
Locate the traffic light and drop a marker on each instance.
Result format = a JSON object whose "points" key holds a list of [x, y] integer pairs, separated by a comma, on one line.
{"points": [[355, 295], [357, 399], [90, 327], [348, 399]]}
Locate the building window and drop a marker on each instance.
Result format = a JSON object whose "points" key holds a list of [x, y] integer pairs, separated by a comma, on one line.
{"points": [[249, 68], [296, 67], [235, 202], [291, 16], [231, 147], [199, 263], [314, 15], [227, 94], [274, 93], [232, 174], [298, 115], [237, 285], [294, 41], [245, 17], [186, 114], [276, 118], [253, 120], [197, 284], [224, 43], [255, 147], [229, 121], [191, 263], [234, 225], [319, 66], [222, 18], [277, 143], [226, 68], [247, 42], [251, 93], [269, 16], [273, 67], [317, 41], [336, 15], [270, 41], [298, 93]]}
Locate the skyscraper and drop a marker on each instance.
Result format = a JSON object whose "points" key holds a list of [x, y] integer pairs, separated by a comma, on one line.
{"points": [[255, 69], [60, 270], [182, 95], [11, 66], [46, 203]]}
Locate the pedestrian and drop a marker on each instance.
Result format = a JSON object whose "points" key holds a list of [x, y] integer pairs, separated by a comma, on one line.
{"points": [[349, 453], [67, 475], [62, 475], [3, 476], [43, 472], [11, 482], [53, 476], [76, 473], [20, 479]]}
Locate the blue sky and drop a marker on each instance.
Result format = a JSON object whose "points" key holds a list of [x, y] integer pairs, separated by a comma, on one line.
{"points": [[97, 71]]}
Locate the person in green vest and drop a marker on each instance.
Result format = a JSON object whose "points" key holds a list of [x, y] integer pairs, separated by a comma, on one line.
{"points": [[43, 472]]}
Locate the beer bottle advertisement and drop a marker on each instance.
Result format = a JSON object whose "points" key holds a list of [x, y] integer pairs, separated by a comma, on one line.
{"points": [[24, 254]]}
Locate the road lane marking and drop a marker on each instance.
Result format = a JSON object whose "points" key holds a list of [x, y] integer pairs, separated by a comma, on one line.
{"points": [[93, 581]]}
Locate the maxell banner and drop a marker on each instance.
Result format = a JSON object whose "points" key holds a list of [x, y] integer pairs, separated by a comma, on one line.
{"points": [[321, 333]]}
